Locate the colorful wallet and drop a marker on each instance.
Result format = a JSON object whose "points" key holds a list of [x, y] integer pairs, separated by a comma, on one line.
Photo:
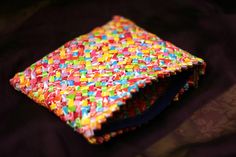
{"points": [[111, 80]]}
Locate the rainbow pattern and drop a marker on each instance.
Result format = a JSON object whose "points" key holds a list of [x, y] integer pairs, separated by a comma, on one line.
{"points": [[90, 77]]}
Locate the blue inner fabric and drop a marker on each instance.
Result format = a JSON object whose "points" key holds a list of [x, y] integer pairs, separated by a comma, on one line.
{"points": [[177, 82]]}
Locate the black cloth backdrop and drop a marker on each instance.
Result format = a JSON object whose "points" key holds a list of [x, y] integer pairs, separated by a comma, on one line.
{"points": [[30, 30]]}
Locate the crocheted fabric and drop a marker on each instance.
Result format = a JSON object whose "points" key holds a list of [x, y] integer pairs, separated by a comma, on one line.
{"points": [[90, 80]]}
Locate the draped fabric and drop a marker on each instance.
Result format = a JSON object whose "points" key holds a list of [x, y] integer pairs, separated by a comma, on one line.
{"points": [[202, 123]]}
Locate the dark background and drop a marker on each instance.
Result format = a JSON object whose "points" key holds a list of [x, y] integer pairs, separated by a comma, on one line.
{"points": [[31, 29]]}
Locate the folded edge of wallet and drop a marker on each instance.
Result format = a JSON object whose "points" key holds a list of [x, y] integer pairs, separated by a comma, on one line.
{"points": [[149, 109]]}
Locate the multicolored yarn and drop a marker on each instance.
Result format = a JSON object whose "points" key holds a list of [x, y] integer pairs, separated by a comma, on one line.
{"points": [[90, 77]]}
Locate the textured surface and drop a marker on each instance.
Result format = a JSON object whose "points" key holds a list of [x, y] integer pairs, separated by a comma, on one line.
{"points": [[205, 28], [90, 77]]}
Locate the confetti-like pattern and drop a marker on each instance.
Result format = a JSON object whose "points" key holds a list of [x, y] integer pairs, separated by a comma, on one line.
{"points": [[90, 77]]}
